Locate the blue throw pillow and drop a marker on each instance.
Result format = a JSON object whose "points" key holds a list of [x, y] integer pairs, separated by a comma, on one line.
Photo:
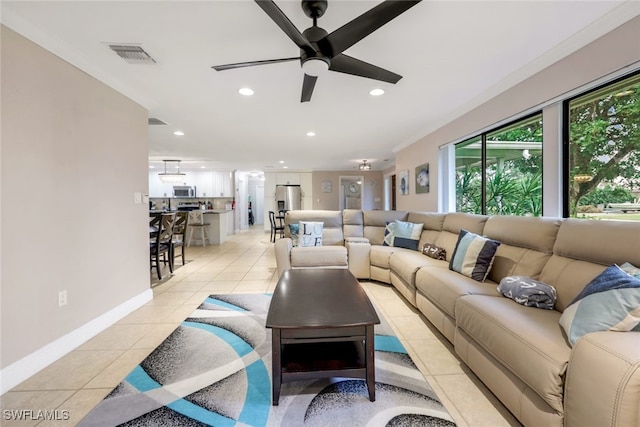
{"points": [[610, 302], [473, 255], [294, 230]]}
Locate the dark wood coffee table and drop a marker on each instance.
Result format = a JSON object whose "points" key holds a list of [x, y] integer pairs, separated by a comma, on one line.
{"points": [[322, 327]]}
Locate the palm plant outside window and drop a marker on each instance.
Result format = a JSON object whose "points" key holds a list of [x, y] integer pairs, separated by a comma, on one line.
{"points": [[500, 172]]}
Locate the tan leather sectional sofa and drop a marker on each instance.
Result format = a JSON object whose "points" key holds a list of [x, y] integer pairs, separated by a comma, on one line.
{"points": [[520, 353]]}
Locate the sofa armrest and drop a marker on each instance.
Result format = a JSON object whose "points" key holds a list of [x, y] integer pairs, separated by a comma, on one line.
{"points": [[282, 248], [358, 250], [602, 387]]}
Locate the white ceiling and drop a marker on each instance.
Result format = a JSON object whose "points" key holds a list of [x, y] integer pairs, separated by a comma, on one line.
{"points": [[452, 55]]}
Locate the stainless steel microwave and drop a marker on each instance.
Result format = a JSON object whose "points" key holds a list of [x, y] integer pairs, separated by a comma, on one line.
{"points": [[184, 191]]}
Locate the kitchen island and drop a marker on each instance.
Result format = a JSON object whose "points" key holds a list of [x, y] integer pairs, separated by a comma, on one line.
{"points": [[218, 225]]}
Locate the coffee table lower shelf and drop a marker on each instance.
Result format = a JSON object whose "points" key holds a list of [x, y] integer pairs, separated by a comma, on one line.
{"points": [[323, 360], [323, 357]]}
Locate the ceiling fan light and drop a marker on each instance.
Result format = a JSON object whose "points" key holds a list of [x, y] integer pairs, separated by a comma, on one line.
{"points": [[315, 66]]}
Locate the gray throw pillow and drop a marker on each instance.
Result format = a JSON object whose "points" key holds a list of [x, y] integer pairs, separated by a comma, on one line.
{"points": [[528, 292]]}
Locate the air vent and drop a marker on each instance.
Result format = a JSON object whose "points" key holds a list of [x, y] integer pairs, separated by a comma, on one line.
{"points": [[132, 54], [154, 122]]}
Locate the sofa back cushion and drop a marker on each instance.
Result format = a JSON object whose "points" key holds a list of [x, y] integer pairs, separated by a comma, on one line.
{"points": [[375, 223], [431, 226], [583, 249], [332, 224], [453, 223], [527, 244], [353, 221]]}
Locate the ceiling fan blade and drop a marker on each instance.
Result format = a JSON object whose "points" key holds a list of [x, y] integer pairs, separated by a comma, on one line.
{"points": [[349, 65], [286, 25], [252, 63], [307, 87], [365, 24]]}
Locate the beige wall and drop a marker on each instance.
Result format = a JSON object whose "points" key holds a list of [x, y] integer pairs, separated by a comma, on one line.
{"points": [[73, 153], [618, 49], [372, 189]]}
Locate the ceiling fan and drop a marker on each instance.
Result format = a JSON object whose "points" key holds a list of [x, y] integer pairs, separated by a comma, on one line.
{"points": [[321, 51]]}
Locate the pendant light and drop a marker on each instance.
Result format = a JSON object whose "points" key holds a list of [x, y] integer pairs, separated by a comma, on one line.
{"points": [[171, 177]]}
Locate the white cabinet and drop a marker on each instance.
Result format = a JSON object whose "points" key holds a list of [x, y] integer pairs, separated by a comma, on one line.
{"points": [[203, 181], [222, 184], [291, 178]]}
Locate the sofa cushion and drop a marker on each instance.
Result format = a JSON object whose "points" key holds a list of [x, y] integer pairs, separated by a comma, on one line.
{"points": [[527, 341], [528, 292], [442, 287], [405, 264], [610, 302], [353, 223], [473, 255], [310, 233], [319, 256], [527, 244], [380, 255]]}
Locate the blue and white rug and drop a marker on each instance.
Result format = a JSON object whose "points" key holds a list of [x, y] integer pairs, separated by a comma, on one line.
{"points": [[215, 370]]}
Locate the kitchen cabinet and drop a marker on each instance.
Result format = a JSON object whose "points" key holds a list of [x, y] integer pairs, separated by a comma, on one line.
{"points": [[203, 182], [222, 184]]}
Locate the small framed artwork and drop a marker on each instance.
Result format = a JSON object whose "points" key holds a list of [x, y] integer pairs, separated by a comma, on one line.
{"points": [[403, 182], [326, 186], [422, 179]]}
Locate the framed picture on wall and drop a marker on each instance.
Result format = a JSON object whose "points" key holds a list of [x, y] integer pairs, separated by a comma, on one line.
{"points": [[326, 186], [422, 179], [403, 182]]}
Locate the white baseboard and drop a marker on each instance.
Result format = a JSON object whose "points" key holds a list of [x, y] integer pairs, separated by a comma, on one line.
{"points": [[29, 365]]}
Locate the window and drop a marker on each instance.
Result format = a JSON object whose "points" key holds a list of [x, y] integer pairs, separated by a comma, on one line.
{"points": [[602, 152], [500, 172]]}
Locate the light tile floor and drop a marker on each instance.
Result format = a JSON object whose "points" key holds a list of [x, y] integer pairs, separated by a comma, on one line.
{"points": [[243, 264]]}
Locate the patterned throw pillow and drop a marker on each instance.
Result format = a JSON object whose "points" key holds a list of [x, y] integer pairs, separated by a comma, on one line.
{"points": [[310, 233], [528, 292], [631, 269], [435, 252], [610, 302], [294, 229], [401, 234], [473, 255]]}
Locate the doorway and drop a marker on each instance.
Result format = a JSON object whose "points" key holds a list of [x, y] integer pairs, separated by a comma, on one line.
{"points": [[351, 190]]}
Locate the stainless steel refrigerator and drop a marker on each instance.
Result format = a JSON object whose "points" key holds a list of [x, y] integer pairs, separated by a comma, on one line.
{"points": [[288, 197]]}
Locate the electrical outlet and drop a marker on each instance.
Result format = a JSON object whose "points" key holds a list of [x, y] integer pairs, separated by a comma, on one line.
{"points": [[62, 298]]}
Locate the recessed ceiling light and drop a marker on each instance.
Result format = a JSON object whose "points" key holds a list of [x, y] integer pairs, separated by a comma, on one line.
{"points": [[376, 92], [311, 133], [203, 167], [281, 161], [246, 91], [285, 167], [178, 133]]}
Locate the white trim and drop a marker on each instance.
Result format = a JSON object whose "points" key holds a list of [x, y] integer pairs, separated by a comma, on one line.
{"points": [[29, 365]]}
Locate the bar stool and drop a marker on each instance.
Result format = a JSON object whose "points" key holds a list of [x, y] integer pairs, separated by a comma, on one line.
{"points": [[196, 222]]}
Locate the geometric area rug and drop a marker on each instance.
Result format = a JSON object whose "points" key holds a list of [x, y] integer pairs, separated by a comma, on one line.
{"points": [[215, 370]]}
